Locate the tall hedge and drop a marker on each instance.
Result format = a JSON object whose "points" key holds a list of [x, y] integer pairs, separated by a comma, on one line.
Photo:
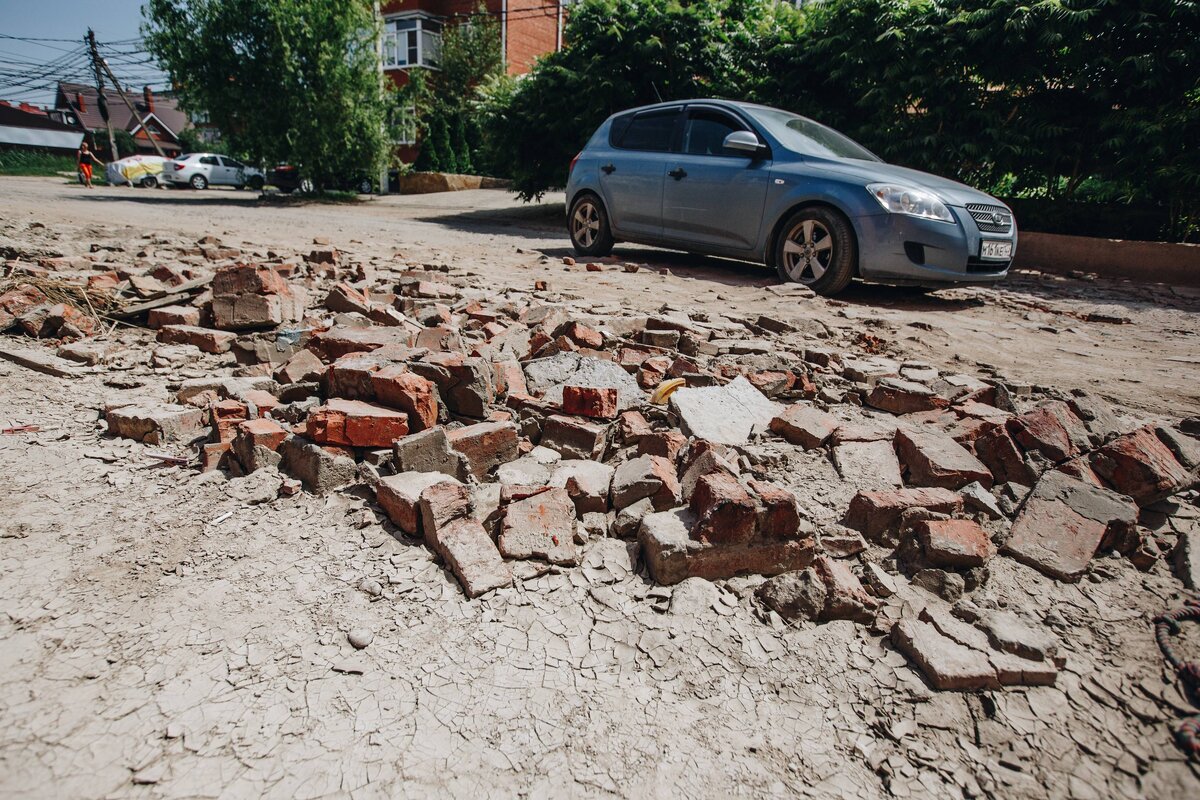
{"points": [[1058, 98]]}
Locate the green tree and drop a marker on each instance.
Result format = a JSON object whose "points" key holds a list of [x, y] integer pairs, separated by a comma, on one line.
{"points": [[283, 80], [447, 100], [625, 53]]}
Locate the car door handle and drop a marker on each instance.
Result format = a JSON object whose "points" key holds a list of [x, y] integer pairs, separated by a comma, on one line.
{"points": [[678, 173], [608, 169]]}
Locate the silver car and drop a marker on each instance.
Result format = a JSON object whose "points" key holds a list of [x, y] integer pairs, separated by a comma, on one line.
{"points": [[201, 170], [760, 184]]}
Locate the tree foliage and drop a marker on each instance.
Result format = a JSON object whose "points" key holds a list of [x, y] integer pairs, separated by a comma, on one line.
{"points": [[447, 99], [284, 80], [1055, 98]]}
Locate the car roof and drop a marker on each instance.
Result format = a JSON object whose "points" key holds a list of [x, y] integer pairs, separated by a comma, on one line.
{"points": [[694, 101]]}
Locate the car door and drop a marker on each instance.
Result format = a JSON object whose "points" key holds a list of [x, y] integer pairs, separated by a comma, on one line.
{"points": [[211, 169], [631, 178], [713, 196], [235, 171]]}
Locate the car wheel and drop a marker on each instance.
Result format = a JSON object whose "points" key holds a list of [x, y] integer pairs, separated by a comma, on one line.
{"points": [[306, 186], [588, 226], [199, 182], [365, 186], [256, 183], [817, 249], [150, 182]]}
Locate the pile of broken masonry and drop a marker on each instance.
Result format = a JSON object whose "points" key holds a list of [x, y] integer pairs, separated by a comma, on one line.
{"points": [[507, 428]]}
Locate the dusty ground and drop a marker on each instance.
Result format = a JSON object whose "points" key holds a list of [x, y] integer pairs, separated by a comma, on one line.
{"points": [[162, 637]]}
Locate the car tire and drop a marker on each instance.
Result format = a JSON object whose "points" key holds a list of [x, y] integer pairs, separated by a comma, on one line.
{"points": [[256, 183], [150, 182], [198, 182], [306, 186], [816, 248], [588, 226], [365, 186]]}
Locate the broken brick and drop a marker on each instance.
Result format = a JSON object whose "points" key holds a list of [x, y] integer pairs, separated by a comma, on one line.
{"points": [[1139, 465], [400, 496], [934, 459], [541, 526], [397, 387], [206, 339], [646, 476], [590, 401], [485, 446], [954, 543], [725, 511], [353, 423], [1052, 430], [874, 513], [173, 315], [575, 437], [803, 425], [899, 396]]}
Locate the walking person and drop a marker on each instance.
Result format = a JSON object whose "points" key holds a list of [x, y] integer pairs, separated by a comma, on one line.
{"points": [[86, 161]]}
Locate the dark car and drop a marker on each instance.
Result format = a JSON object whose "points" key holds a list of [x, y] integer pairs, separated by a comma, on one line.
{"points": [[287, 179]]}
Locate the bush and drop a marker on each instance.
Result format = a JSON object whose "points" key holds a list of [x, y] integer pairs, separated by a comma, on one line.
{"points": [[1046, 99]]}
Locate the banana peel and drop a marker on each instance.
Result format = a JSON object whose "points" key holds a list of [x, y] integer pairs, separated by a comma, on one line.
{"points": [[665, 389]]}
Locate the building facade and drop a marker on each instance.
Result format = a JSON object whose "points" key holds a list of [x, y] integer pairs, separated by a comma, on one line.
{"points": [[412, 37]]}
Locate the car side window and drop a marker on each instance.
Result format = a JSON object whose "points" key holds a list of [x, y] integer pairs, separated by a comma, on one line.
{"points": [[210, 160], [229, 162], [651, 131], [705, 131]]}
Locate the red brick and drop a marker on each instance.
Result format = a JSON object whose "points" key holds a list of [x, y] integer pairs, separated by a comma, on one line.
{"points": [[1139, 465], [778, 511], [580, 335], [646, 476], [397, 387], [173, 315], [1063, 523], [770, 383], [664, 443], [225, 415], [954, 543], [352, 423], [540, 526], [209, 341], [510, 378], [803, 425], [1052, 430], [632, 426], [344, 299], [400, 497], [725, 511], [873, 513], [997, 450], [575, 437], [263, 433], [845, 596], [590, 401], [441, 503], [212, 455], [247, 279], [934, 459], [485, 445], [899, 396], [262, 400]]}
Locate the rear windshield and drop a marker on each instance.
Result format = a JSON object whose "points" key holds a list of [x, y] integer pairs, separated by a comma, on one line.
{"points": [[809, 138]]}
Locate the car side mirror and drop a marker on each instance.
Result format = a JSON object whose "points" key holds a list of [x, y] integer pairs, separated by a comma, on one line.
{"points": [[744, 142]]}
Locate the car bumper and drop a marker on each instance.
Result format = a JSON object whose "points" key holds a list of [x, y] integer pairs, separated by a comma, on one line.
{"points": [[895, 247]]}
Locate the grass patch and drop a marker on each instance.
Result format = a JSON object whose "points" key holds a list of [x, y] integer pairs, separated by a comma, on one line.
{"points": [[43, 164]]}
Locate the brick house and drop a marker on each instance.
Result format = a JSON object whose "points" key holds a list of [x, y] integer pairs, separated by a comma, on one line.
{"points": [[412, 36], [77, 105]]}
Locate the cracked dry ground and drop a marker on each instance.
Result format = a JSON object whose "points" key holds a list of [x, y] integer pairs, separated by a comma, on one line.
{"points": [[165, 634]]}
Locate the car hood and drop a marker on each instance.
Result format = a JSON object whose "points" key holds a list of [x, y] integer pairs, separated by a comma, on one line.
{"points": [[952, 192]]}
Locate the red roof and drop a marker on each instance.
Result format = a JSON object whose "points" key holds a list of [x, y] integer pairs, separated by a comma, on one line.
{"points": [[165, 108]]}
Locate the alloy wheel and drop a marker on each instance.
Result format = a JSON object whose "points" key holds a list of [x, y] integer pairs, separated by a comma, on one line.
{"points": [[585, 225], [808, 251]]}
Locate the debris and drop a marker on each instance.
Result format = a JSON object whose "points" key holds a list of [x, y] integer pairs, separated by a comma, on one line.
{"points": [[724, 414]]}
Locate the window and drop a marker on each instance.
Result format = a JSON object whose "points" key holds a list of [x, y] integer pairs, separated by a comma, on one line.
{"points": [[705, 132], [809, 138], [210, 160], [652, 131], [404, 124], [229, 162], [411, 42]]}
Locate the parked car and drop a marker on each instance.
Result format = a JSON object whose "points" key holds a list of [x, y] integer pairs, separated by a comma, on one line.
{"points": [[201, 170], [140, 170], [760, 184], [286, 178]]}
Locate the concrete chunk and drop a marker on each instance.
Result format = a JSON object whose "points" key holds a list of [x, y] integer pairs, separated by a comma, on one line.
{"points": [[724, 414]]}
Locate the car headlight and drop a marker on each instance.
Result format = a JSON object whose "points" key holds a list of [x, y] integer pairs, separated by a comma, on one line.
{"points": [[913, 202]]}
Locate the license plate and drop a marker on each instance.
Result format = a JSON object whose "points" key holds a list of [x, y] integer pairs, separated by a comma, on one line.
{"points": [[996, 250]]}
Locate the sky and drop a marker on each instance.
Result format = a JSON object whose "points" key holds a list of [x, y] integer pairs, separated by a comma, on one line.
{"points": [[29, 69]]}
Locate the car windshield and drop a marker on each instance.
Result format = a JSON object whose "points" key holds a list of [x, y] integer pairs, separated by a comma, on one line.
{"points": [[807, 137]]}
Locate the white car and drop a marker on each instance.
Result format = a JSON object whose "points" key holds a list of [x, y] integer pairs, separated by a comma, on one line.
{"points": [[201, 170]]}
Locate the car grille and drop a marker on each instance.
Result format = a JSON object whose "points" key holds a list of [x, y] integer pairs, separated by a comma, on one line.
{"points": [[990, 219], [977, 266]]}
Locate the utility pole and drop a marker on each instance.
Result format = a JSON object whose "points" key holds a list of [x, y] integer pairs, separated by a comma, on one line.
{"points": [[132, 110], [101, 98]]}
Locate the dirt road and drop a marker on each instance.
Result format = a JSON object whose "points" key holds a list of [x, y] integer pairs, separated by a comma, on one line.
{"points": [[168, 633]]}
